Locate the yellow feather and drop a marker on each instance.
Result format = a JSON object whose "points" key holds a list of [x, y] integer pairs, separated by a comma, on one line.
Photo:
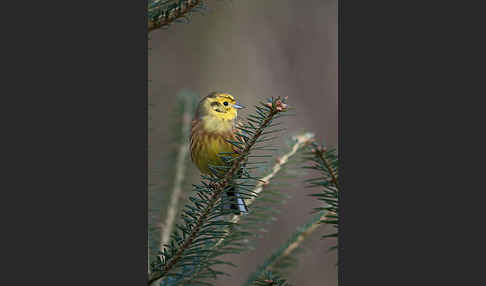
{"points": [[214, 123], [208, 148]]}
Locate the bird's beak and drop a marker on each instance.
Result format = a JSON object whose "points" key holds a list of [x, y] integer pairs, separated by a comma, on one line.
{"points": [[237, 106]]}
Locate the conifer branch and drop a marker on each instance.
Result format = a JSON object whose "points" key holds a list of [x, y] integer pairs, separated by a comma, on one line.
{"points": [[320, 152], [326, 162], [301, 140], [202, 214], [301, 238], [287, 248], [180, 173], [162, 15], [270, 279], [164, 200]]}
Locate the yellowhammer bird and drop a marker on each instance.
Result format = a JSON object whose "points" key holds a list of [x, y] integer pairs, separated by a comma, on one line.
{"points": [[213, 124]]}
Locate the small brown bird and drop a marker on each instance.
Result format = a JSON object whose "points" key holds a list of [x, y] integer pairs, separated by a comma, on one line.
{"points": [[213, 124]]}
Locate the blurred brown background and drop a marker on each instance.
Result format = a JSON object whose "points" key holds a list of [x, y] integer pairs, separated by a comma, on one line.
{"points": [[256, 49]]}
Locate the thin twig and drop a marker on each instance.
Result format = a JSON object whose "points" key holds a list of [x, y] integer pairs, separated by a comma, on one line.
{"points": [[301, 237], [148, 257], [328, 167], [166, 229], [179, 176], [301, 140]]}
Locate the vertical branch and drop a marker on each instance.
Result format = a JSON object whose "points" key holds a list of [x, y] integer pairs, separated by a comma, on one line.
{"points": [[148, 256], [327, 164], [179, 176]]}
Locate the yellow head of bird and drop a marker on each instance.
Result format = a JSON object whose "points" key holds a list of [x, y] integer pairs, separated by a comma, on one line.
{"points": [[219, 105]]}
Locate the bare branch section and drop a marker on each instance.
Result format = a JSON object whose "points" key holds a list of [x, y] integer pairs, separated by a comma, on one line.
{"points": [[179, 176], [301, 141], [301, 238], [169, 15]]}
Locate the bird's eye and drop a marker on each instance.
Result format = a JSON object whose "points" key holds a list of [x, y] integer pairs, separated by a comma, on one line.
{"points": [[225, 103]]}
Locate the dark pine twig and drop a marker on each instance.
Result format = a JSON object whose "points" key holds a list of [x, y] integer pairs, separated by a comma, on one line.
{"points": [[170, 15]]}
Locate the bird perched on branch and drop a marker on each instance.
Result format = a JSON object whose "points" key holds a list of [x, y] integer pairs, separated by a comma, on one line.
{"points": [[214, 123]]}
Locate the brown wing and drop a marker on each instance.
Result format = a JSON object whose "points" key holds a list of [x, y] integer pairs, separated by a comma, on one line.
{"points": [[235, 137], [194, 131], [199, 137], [198, 133]]}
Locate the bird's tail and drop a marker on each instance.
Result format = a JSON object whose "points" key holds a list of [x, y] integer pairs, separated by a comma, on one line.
{"points": [[234, 202]]}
